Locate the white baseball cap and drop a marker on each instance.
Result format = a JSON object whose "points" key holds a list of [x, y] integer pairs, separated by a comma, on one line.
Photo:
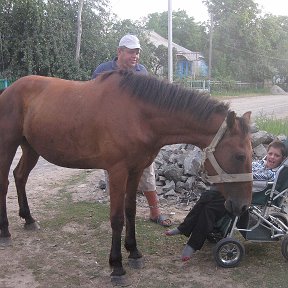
{"points": [[130, 42]]}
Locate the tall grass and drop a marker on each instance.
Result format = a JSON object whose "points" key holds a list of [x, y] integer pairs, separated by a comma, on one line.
{"points": [[241, 92], [272, 125]]}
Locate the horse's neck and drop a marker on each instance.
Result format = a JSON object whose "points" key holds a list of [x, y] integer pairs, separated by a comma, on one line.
{"points": [[176, 128]]}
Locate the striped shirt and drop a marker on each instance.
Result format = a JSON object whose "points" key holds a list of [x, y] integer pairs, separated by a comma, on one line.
{"points": [[260, 172]]}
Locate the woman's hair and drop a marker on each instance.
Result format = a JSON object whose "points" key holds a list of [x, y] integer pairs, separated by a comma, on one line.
{"points": [[277, 144]]}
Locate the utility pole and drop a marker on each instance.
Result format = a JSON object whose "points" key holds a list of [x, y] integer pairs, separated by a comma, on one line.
{"points": [[210, 48], [170, 48], [79, 30]]}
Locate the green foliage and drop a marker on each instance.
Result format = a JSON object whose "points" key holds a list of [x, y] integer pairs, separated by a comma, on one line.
{"points": [[39, 37], [241, 92], [185, 31], [272, 125], [246, 46]]}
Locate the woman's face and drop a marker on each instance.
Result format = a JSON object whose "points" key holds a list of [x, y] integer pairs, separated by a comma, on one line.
{"points": [[274, 158]]}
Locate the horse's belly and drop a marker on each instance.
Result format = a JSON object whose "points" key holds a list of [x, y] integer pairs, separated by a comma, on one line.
{"points": [[67, 153], [75, 161]]}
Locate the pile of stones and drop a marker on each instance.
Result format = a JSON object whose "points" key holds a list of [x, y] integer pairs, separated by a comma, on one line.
{"points": [[178, 166]]}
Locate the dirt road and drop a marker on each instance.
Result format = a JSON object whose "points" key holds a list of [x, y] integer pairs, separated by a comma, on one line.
{"points": [[268, 105]]}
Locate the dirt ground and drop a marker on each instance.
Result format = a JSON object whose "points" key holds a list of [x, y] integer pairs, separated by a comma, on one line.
{"points": [[43, 185], [42, 259]]}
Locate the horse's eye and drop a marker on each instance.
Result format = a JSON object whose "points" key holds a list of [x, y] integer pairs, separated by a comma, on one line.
{"points": [[240, 157]]}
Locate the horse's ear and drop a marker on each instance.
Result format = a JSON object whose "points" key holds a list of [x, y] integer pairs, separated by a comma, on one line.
{"points": [[247, 116], [231, 117]]}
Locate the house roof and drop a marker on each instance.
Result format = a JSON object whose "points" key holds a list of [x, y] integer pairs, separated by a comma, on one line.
{"points": [[158, 40]]}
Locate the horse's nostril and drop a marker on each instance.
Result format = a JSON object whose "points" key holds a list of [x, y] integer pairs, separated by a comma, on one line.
{"points": [[244, 208]]}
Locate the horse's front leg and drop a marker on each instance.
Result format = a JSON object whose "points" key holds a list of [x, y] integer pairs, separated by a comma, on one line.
{"points": [[117, 187], [27, 162], [115, 259], [135, 257]]}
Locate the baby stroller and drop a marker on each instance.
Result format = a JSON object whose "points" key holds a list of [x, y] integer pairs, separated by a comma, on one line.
{"points": [[265, 221]]}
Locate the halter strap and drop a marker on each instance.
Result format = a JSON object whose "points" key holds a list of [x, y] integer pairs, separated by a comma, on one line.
{"points": [[222, 176]]}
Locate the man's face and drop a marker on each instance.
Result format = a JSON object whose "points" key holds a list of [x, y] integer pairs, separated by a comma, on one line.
{"points": [[128, 58]]}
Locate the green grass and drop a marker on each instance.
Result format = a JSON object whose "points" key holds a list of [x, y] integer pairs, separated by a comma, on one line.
{"points": [[242, 93], [272, 125]]}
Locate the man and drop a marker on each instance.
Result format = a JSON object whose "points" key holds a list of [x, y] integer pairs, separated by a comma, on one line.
{"points": [[128, 53]]}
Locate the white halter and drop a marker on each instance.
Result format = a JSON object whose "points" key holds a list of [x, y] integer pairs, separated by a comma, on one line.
{"points": [[222, 176]]}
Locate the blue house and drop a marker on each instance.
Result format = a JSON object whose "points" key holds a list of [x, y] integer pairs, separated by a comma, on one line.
{"points": [[188, 63]]}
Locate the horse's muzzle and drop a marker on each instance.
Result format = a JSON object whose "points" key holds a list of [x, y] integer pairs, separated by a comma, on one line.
{"points": [[235, 209]]}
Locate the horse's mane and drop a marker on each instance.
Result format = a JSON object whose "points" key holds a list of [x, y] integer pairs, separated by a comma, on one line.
{"points": [[169, 96]]}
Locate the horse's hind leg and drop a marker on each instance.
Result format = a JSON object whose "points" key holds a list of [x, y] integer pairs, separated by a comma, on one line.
{"points": [[7, 155], [5, 234], [27, 162]]}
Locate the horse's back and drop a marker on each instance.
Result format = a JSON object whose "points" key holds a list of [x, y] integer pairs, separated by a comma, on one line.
{"points": [[29, 86], [40, 93], [66, 122], [17, 99]]}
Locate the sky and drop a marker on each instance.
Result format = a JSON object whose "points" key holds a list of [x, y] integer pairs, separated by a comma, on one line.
{"points": [[134, 10]]}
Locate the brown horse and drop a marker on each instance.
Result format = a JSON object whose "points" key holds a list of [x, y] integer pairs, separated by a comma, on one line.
{"points": [[118, 122]]}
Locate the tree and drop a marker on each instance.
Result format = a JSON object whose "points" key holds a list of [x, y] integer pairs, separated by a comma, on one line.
{"points": [[234, 21], [275, 30], [22, 37], [185, 31], [38, 37], [243, 41]]}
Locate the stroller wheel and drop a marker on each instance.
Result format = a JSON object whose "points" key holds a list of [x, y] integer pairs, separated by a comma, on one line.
{"points": [[228, 252], [284, 247]]}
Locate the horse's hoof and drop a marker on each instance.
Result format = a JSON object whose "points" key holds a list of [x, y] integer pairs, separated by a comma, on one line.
{"points": [[120, 281], [32, 226], [137, 263], [5, 241]]}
